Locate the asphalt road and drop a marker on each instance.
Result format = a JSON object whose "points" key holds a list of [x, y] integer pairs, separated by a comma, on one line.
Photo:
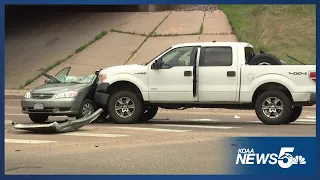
{"points": [[174, 142]]}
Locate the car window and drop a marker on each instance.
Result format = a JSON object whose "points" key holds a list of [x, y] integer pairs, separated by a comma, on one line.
{"points": [[216, 56], [178, 57]]}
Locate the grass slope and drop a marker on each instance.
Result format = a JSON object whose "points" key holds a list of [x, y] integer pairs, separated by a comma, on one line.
{"points": [[276, 29]]}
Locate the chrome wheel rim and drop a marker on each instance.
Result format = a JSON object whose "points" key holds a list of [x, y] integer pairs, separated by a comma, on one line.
{"points": [[272, 107], [87, 109], [124, 107]]}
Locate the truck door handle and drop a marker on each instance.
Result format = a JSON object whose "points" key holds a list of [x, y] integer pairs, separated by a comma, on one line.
{"points": [[187, 73], [231, 73]]}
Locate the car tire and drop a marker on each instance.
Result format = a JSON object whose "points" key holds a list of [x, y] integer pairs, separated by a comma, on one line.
{"points": [[127, 113], [87, 108], [265, 59], [268, 99], [150, 112], [296, 113], [38, 118]]}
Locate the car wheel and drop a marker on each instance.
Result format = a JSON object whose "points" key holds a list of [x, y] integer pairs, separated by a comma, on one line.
{"points": [[125, 107], [87, 108], [296, 112], [38, 118], [149, 113], [273, 107]]}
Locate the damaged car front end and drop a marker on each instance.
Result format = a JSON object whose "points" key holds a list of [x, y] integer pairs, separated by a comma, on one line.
{"points": [[61, 95]]}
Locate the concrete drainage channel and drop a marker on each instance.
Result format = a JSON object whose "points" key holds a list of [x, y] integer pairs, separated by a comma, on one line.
{"points": [[53, 37]]}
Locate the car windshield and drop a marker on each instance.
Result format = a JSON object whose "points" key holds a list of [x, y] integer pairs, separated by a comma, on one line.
{"points": [[75, 79]]}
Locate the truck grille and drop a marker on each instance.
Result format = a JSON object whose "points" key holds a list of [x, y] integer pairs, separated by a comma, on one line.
{"points": [[41, 96]]}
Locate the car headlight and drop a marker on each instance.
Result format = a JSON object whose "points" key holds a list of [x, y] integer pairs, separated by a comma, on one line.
{"points": [[69, 94], [27, 95]]}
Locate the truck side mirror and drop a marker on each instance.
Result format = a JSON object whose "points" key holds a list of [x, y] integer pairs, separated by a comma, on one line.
{"points": [[46, 81], [97, 72], [156, 64]]}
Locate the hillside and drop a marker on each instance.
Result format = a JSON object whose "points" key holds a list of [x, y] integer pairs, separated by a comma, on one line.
{"points": [[277, 29]]}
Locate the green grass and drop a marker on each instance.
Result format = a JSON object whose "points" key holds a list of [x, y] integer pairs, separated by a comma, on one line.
{"points": [[276, 29], [125, 32], [58, 62]]}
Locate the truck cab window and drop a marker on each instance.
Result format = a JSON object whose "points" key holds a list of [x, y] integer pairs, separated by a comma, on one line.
{"points": [[249, 53], [216, 56], [178, 57]]}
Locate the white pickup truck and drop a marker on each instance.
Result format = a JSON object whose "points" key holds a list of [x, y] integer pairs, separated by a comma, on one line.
{"points": [[208, 75]]}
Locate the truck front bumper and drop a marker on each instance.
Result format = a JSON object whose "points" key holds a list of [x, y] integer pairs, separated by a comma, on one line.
{"points": [[101, 96]]}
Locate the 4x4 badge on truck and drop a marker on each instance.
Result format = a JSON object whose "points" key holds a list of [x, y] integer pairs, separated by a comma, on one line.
{"points": [[298, 73]]}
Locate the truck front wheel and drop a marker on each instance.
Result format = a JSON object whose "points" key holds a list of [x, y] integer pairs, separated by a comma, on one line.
{"points": [[149, 113], [273, 107], [125, 107]]}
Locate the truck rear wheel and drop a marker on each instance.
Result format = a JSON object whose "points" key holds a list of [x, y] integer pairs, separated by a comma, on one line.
{"points": [[296, 113], [125, 107], [273, 107]]}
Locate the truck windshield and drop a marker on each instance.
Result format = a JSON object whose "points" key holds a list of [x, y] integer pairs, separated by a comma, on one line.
{"points": [[156, 56]]}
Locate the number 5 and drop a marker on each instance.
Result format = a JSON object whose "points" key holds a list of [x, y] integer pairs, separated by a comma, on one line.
{"points": [[284, 154]]}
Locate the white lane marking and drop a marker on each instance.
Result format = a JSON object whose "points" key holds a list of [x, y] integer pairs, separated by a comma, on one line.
{"points": [[298, 120], [311, 117], [26, 141], [304, 123], [197, 126], [93, 134], [7, 122], [210, 120], [152, 129], [305, 120], [13, 107], [10, 114]]}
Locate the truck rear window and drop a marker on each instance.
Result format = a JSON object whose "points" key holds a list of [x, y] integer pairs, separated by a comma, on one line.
{"points": [[216, 56]]}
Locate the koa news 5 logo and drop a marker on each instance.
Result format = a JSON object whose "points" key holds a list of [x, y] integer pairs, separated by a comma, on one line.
{"points": [[284, 158]]}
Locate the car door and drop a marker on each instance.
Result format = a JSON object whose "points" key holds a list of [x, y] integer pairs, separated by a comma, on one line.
{"points": [[218, 80], [173, 81]]}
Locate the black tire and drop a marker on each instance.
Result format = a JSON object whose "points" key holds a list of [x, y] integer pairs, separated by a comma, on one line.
{"points": [[38, 118], [265, 58], [296, 113], [135, 102], [150, 112], [87, 103], [286, 107], [104, 114]]}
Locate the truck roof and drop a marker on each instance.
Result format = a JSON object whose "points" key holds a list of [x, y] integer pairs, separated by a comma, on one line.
{"points": [[212, 44]]}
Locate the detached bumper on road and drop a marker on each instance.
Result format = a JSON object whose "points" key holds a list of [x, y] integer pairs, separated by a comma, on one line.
{"points": [[63, 106]]}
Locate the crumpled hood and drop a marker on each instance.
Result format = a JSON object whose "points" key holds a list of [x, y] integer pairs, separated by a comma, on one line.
{"points": [[57, 88]]}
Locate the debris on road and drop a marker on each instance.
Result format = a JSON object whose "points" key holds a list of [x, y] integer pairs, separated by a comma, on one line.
{"points": [[55, 127], [236, 117]]}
